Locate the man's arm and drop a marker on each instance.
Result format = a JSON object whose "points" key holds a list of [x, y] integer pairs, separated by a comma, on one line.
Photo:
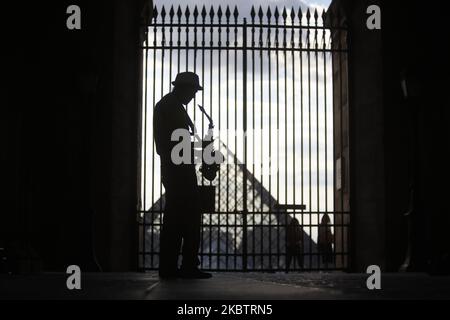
{"points": [[165, 122]]}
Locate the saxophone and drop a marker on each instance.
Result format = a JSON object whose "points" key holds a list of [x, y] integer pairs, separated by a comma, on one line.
{"points": [[209, 171]]}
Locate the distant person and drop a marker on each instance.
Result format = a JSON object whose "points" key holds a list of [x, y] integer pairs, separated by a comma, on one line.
{"points": [[325, 241], [182, 216], [294, 246]]}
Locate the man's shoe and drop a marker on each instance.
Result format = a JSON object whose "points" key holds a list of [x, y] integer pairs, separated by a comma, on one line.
{"points": [[194, 274]]}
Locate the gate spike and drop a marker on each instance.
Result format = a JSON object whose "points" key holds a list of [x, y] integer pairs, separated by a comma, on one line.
{"points": [[260, 13], [293, 29], [300, 14], [155, 13], [284, 14], [324, 16], [268, 14], [203, 13], [179, 13], [187, 13], [211, 13], [316, 15], [235, 13], [227, 13], [308, 15], [171, 13], [163, 13], [195, 13], [252, 13], [292, 15], [276, 14], [219, 13]]}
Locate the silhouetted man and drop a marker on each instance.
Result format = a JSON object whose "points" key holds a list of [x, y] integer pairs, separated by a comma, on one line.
{"points": [[182, 217]]}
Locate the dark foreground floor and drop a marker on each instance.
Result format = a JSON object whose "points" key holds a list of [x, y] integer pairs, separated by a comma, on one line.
{"points": [[240, 286]]}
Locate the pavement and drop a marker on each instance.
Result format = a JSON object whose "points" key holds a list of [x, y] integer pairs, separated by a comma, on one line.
{"points": [[227, 286]]}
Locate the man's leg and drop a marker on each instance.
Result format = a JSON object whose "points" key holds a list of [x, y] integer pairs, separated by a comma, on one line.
{"points": [[191, 241], [170, 242], [170, 238]]}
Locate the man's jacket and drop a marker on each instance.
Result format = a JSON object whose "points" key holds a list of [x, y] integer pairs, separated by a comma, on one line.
{"points": [[169, 115]]}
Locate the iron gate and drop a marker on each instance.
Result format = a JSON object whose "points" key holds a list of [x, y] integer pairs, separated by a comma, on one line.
{"points": [[272, 85]]}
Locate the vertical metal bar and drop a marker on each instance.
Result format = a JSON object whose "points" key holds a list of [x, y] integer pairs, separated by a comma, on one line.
{"points": [[325, 112], [309, 135], [235, 14], [179, 14], [333, 54], [195, 14], [171, 15], [143, 158], [153, 150], [144, 147], [169, 78], [187, 14], [261, 127], [203, 14], [293, 111], [244, 94], [269, 67], [163, 43], [300, 15], [219, 14], [253, 134], [347, 213], [211, 43], [285, 119], [227, 14], [278, 126], [316, 53]]}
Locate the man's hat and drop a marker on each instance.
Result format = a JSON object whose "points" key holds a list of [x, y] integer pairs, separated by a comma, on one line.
{"points": [[187, 79]]}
